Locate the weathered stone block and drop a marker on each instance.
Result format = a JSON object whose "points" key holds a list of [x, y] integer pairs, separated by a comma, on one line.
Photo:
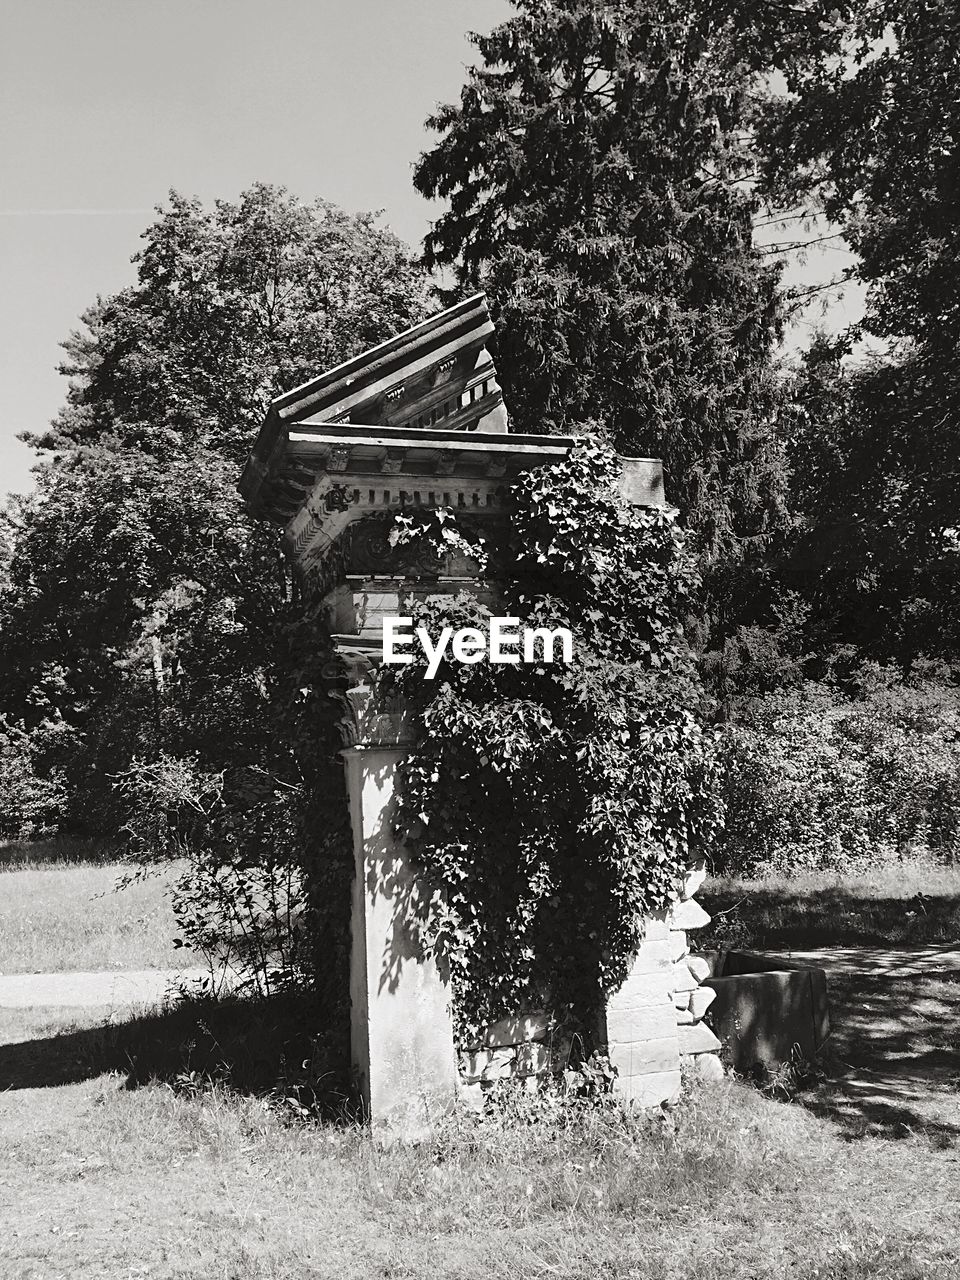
{"points": [[699, 967], [656, 926], [683, 979], [693, 880], [678, 944], [642, 991], [487, 1064], [650, 1090], [683, 1016], [629, 1023], [519, 1030], [532, 1060], [708, 1067], [767, 1007], [653, 957], [645, 1057], [500, 1066], [688, 915], [701, 1000], [681, 999], [470, 1096], [697, 1039]]}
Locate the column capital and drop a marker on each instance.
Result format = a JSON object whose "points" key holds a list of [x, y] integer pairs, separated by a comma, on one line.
{"points": [[369, 718]]}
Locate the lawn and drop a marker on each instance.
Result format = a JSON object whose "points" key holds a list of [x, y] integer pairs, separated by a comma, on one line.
{"points": [[101, 1180], [173, 1143], [59, 910], [903, 904]]}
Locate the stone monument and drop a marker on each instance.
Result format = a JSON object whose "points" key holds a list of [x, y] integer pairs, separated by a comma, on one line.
{"points": [[419, 422]]}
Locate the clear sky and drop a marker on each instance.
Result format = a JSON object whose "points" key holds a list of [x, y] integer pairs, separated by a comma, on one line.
{"points": [[106, 104]]}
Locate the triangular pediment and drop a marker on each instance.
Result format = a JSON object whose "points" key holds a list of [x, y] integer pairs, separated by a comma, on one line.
{"points": [[437, 374]]}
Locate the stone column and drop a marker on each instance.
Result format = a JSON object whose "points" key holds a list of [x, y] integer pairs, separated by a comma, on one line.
{"points": [[401, 1027]]}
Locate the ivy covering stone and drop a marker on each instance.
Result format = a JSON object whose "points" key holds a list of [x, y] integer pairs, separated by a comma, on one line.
{"points": [[553, 806]]}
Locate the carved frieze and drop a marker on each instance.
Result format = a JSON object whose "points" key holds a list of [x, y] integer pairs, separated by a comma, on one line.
{"points": [[369, 552]]}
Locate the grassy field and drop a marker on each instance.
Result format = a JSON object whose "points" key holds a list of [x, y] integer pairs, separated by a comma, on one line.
{"points": [[59, 911], [101, 1180], [906, 904], [173, 1144]]}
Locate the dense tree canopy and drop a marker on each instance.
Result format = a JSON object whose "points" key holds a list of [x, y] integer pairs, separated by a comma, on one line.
{"points": [[598, 174], [144, 611], [232, 306], [874, 138]]}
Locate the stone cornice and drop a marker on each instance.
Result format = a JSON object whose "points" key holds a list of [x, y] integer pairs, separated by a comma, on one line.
{"points": [[438, 373], [334, 475]]}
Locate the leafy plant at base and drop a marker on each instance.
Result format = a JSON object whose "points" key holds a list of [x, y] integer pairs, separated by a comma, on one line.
{"points": [[554, 805], [240, 893]]}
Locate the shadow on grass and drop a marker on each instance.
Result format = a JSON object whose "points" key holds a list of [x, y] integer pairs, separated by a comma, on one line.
{"points": [[777, 919], [894, 1057], [264, 1047], [873, 1105], [57, 851]]}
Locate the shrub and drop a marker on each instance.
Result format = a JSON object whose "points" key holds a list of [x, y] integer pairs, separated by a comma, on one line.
{"points": [[31, 804], [815, 778], [239, 895]]}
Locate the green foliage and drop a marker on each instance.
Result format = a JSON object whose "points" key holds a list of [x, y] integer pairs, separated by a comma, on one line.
{"points": [[552, 805], [148, 627], [597, 169], [872, 138], [31, 804], [815, 779], [232, 306], [874, 553], [240, 894]]}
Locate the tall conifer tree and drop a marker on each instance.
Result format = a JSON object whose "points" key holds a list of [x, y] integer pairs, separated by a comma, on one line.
{"points": [[598, 174]]}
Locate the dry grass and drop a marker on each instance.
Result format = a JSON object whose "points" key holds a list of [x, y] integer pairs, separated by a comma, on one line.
{"points": [[97, 1180], [61, 912]]}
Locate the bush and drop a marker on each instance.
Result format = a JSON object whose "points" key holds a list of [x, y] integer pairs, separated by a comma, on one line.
{"points": [[239, 893], [818, 779], [31, 804]]}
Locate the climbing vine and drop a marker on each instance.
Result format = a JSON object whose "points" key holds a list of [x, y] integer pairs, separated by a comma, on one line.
{"points": [[552, 805]]}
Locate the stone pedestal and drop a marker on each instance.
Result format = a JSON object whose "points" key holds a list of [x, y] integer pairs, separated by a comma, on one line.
{"points": [[401, 1028]]}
